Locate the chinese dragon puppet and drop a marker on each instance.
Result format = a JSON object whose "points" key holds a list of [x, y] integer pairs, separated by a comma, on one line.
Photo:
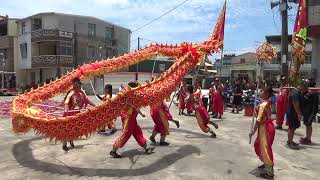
{"points": [[25, 116]]}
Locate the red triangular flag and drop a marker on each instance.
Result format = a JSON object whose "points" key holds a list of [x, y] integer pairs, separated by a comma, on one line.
{"points": [[299, 37], [218, 31]]}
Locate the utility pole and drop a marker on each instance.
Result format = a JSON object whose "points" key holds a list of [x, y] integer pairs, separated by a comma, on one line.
{"points": [[284, 38], [137, 65]]}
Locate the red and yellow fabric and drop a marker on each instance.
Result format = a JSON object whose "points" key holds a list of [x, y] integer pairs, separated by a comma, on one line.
{"points": [[182, 96], [218, 31], [266, 133], [166, 111], [76, 100], [299, 38], [160, 117], [112, 123], [282, 105], [130, 128]]}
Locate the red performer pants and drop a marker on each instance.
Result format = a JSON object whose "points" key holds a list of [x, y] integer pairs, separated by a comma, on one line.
{"points": [[130, 128], [282, 107], [203, 118], [218, 106], [182, 105], [160, 119], [189, 107]]}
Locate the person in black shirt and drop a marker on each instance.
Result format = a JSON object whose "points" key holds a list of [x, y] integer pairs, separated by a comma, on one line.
{"points": [[310, 103], [237, 93], [294, 113]]}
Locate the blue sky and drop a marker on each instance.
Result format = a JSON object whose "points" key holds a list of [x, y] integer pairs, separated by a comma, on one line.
{"points": [[247, 23]]}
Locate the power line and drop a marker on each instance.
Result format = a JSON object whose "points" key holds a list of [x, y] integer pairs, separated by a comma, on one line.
{"points": [[142, 38], [148, 23], [274, 22]]}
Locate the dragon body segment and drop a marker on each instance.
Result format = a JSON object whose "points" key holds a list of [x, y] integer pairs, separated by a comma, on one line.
{"points": [[26, 117]]}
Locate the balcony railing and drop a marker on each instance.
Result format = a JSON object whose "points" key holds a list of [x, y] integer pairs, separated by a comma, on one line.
{"points": [[52, 61], [48, 34]]}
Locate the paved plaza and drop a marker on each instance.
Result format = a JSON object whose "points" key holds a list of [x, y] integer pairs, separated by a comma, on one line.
{"points": [[191, 154]]}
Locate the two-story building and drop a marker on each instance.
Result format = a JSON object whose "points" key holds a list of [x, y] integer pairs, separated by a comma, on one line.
{"points": [[50, 44], [244, 67], [272, 70], [8, 51]]}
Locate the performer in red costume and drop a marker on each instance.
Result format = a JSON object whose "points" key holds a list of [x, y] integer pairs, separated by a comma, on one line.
{"points": [[107, 96], [161, 116], [266, 133], [202, 114], [218, 104], [197, 93], [74, 101], [182, 96], [211, 92], [130, 128], [282, 102]]}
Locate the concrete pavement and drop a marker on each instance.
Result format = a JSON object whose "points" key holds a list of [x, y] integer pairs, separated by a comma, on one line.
{"points": [[191, 154]]}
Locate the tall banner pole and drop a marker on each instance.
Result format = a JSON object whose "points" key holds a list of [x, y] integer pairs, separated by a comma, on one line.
{"points": [[259, 67], [221, 64]]}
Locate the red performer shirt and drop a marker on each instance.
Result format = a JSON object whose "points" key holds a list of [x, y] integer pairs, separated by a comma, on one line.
{"points": [[76, 100], [183, 91]]}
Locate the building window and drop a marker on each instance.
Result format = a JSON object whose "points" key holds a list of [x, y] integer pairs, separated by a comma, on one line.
{"points": [[24, 50], [36, 24], [91, 51], [108, 33], [66, 48], [115, 52], [242, 60], [91, 30], [108, 52], [308, 59], [33, 77], [23, 27], [162, 67]]}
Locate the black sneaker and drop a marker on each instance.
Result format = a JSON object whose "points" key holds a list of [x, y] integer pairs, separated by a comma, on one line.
{"points": [[177, 123], [71, 144], [114, 130], [293, 146], [149, 150], [65, 148], [266, 175], [214, 136], [232, 111], [164, 143], [114, 154], [279, 127], [214, 124], [261, 167], [152, 139]]}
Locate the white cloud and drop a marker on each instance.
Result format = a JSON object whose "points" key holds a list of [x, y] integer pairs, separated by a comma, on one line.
{"points": [[193, 21], [112, 2]]}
